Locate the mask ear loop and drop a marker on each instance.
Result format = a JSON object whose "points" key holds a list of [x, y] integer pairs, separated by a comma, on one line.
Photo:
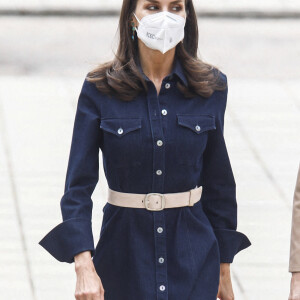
{"points": [[136, 29]]}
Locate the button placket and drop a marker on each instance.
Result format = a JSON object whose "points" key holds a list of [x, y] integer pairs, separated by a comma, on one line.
{"points": [[156, 124], [160, 255]]}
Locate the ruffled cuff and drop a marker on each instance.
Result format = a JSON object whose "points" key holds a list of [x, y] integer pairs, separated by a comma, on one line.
{"points": [[69, 238], [230, 243]]}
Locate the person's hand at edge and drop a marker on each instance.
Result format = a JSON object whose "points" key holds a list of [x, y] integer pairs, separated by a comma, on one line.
{"points": [[225, 291], [88, 284], [295, 286]]}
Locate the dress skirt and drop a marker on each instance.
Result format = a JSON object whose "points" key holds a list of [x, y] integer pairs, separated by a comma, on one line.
{"points": [[169, 254]]}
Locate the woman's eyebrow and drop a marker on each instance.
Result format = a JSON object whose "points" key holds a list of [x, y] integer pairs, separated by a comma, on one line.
{"points": [[158, 2]]}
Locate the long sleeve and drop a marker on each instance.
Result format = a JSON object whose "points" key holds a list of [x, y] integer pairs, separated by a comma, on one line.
{"points": [[219, 189], [74, 234], [294, 262]]}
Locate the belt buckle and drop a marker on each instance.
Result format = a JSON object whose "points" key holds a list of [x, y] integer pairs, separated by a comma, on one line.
{"points": [[162, 198]]}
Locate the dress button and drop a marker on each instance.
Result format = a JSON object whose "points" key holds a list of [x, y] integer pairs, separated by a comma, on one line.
{"points": [[197, 127], [164, 112], [159, 142], [167, 85], [158, 172], [120, 131], [162, 287], [161, 260], [159, 229]]}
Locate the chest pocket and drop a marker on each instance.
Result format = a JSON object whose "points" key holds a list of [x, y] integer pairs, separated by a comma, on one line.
{"points": [[191, 136], [122, 141]]}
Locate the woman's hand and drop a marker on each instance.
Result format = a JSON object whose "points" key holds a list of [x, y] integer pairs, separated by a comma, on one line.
{"points": [[295, 286], [88, 285], [225, 286]]}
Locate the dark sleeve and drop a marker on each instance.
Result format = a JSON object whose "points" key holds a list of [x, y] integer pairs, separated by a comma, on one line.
{"points": [[74, 234], [219, 188]]}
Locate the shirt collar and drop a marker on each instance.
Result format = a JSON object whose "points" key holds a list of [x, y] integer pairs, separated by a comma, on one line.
{"points": [[177, 70]]}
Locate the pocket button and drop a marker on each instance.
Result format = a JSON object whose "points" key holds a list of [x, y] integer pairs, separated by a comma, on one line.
{"points": [[120, 131], [197, 127], [159, 142]]}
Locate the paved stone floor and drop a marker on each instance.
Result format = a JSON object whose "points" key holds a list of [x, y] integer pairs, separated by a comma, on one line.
{"points": [[43, 64]]}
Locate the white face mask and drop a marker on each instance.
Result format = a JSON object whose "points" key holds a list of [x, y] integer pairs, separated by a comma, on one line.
{"points": [[161, 31]]}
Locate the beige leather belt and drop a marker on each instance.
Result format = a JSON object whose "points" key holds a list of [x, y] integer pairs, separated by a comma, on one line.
{"points": [[155, 201]]}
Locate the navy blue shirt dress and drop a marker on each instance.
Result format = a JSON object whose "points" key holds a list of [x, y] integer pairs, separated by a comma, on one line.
{"points": [[156, 143]]}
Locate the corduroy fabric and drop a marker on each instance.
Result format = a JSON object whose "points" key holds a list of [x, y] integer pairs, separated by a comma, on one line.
{"points": [[140, 254]]}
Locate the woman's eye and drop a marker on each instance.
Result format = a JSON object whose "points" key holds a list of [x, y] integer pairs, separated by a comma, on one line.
{"points": [[152, 7], [177, 8]]}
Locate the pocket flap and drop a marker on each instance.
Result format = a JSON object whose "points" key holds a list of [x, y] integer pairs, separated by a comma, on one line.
{"points": [[197, 123], [120, 126]]}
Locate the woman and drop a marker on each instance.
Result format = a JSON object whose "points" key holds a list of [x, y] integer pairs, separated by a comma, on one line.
{"points": [[157, 114], [294, 263]]}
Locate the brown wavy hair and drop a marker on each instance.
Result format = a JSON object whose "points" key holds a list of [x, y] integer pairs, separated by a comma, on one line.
{"points": [[121, 77]]}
